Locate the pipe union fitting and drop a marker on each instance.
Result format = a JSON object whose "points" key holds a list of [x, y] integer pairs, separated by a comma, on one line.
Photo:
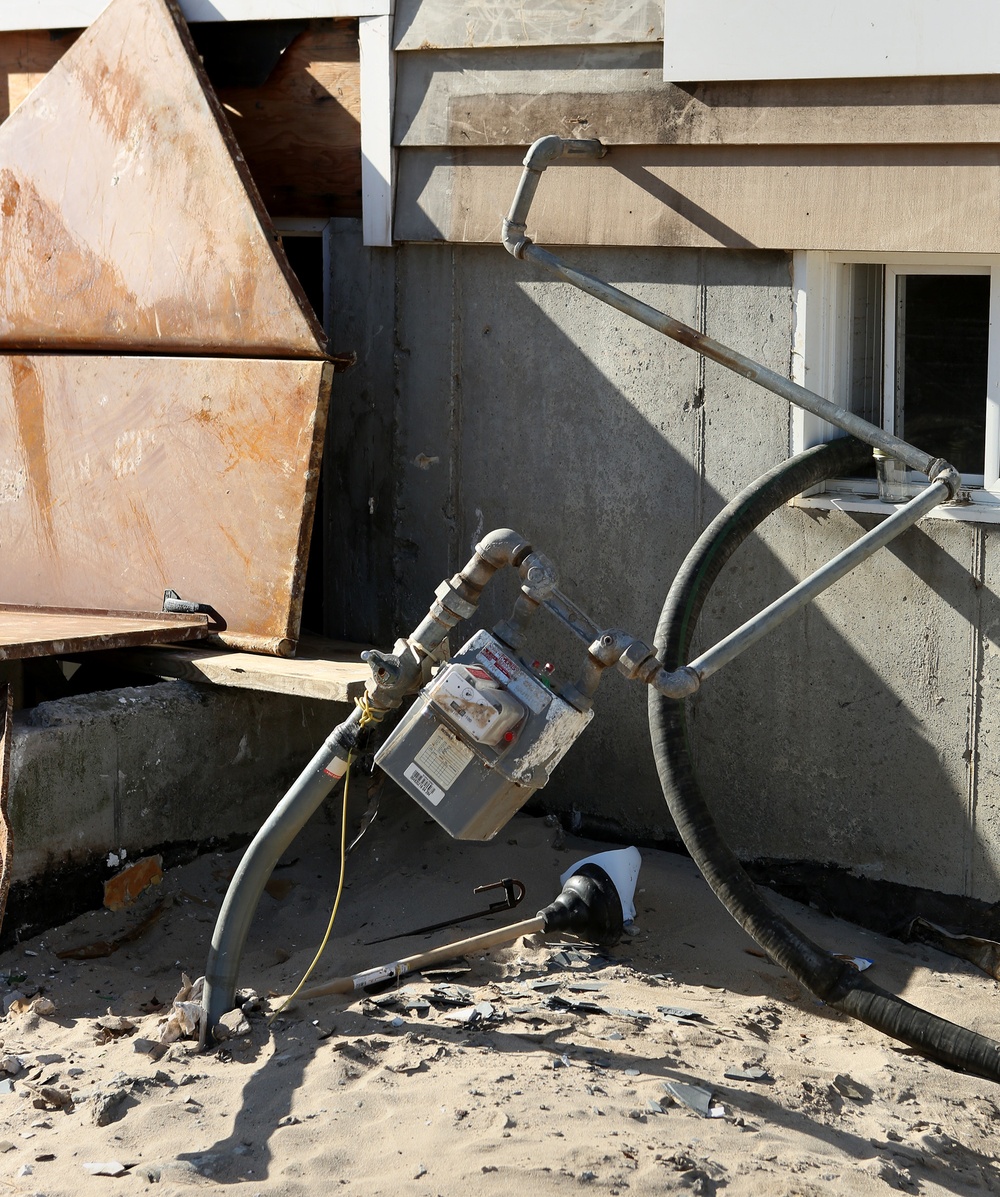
{"points": [[451, 600]]}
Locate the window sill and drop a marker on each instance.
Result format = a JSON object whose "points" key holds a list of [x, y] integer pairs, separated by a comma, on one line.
{"points": [[985, 510]]}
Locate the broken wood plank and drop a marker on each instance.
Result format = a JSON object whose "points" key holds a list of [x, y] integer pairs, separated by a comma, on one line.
{"points": [[123, 477], [333, 675], [129, 218], [35, 631]]}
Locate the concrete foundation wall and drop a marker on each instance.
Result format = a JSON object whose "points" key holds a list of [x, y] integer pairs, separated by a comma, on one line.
{"points": [[164, 763], [860, 733]]}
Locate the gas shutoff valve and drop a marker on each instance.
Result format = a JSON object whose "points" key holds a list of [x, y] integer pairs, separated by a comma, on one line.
{"points": [[482, 736]]}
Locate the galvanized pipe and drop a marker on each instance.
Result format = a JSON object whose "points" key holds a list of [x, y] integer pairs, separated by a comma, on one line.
{"points": [[548, 149], [736, 642], [733, 360]]}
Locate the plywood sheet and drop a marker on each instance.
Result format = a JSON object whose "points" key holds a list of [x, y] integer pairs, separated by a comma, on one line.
{"points": [[53, 631], [122, 477], [300, 130], [509, 97], [330, 674], [865, 198], [128, 219], [440, 24]]}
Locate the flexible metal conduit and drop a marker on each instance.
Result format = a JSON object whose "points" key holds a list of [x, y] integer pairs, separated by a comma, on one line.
{"points": [[832, 980]]}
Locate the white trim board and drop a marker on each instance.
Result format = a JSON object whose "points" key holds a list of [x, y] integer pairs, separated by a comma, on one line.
{"points": [[378, 158], [828, 39], [75, 14]]}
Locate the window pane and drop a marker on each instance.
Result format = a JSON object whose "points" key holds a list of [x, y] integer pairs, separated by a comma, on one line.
{"points": [[865, 350], [942, 338]]}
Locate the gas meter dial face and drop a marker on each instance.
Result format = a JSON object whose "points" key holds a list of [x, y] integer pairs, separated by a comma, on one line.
{"points": [[472, 699]]}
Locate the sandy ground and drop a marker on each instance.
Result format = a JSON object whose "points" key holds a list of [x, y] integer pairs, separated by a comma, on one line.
{"points": [[556, 1084]]}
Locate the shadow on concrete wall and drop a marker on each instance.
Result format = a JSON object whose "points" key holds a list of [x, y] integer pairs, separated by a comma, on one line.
{"points": [[843, 737]]}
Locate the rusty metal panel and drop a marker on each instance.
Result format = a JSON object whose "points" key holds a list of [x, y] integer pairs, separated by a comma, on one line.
{"points": [[56, 631], [6, 831], [122, 477], [128, 219]]}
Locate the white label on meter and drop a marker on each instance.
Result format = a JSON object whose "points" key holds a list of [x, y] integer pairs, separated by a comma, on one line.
{"points": [[433, 793], [443, 757]]}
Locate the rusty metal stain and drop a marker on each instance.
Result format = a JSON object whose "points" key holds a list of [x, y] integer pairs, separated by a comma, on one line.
{"points": [[29, 425], [6, 831], [192, 474], [128, 220]]}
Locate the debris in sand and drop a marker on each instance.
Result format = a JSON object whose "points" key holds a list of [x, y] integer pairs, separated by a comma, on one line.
{"points": [[749, 1073], [108, 1107], [123, 889], [113, 1026], [110, 1168], [232, 1025], [184, 1019], [702, 1101]]}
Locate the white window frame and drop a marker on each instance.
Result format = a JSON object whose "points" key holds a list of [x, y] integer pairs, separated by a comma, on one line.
{"points": [[819, 362]]}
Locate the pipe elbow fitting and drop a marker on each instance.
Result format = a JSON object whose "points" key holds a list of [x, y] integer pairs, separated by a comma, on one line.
{"points": [[543, 151], [944, 471], [514, 239], [502, 547]]}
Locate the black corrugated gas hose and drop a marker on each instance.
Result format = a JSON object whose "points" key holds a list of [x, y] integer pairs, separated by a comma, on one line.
{"points": [[833, 981]]}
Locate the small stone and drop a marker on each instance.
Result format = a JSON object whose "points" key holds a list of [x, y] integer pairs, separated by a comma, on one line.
{"points": [[108, 1107], [12, 1065], [6, 1088], [6, 1145], [421, 1171], [25, 1170], [588, 1175], [232, 1025], [637, 1115], [289, 1120]]}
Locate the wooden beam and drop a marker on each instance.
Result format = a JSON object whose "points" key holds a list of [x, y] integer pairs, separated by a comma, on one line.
{"points": [[33, 631], [320, 670]]}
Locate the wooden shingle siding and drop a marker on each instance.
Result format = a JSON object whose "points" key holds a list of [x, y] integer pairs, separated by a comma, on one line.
{"points": [[444, 25], [504, 97], [867, 198]]}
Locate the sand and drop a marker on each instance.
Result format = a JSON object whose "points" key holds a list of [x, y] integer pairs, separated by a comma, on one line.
{"points": [[554, 1087]]}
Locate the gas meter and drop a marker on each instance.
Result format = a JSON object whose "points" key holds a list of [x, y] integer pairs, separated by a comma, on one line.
{"points": [[482, 735]]}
